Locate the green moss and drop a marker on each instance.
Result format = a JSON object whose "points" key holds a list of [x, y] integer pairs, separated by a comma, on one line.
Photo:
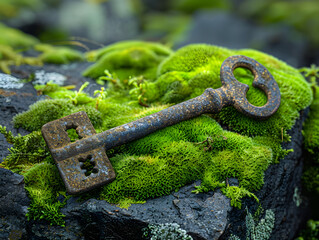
{"points": [[58, 55], [26, 151], [48, 110], [236, 194], [195, 149], [15, 38], [311, 135], [192, 69], [311, 231], [127, 59], [30, 157], [311, 128], [189, 6], [44, 185]]}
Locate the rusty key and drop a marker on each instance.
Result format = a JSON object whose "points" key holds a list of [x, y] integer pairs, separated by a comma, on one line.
{"points": [[72, 158]]}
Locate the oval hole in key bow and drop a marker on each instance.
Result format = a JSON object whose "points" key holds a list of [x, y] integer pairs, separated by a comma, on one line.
{"points": [[254, 95]]}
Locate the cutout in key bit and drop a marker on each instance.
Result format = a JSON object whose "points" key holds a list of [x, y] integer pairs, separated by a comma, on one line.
{"points": [[88, 165]]}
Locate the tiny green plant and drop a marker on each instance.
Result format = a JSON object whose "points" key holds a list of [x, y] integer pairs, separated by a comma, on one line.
{"points": [[111, 78], [312, 72], [107, 77], [75, 98], [101, 95], [139, 90]]}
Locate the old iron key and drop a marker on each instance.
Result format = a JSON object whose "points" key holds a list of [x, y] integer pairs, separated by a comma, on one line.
{"points": [[70, 157]]}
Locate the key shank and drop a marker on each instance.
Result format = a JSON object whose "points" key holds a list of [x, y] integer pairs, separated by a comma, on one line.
{"points": [[211, 101]]}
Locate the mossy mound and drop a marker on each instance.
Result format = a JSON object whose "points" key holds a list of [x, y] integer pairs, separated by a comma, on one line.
{"points": [[311, 128], [200, 148], [37, 116], [127, 59], [15, 38], [192, 69], [58, 55]]}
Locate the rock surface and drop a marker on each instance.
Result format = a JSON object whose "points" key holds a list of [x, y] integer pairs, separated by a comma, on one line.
{"points": [[13, 101], [13, 205], [203, 216]]}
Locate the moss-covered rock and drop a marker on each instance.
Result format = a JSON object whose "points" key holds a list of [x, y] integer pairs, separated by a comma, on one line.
{"points": [[9, 57], [200, 148], [13, 42]]}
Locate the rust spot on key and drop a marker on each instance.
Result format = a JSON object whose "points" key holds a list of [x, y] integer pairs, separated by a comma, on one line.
{"points": [[70, 157]]}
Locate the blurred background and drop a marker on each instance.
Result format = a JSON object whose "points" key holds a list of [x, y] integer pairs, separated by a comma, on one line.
{"points": [[287, 29]]}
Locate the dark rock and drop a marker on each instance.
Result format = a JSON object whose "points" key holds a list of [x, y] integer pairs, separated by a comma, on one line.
{"points": [[227, 30], [71, 72], [280, 193], [12, 101], [203, 216], [13, 205]]}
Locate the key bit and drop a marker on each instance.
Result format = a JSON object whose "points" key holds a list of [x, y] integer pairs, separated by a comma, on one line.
{"points": [[70, 157]]}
